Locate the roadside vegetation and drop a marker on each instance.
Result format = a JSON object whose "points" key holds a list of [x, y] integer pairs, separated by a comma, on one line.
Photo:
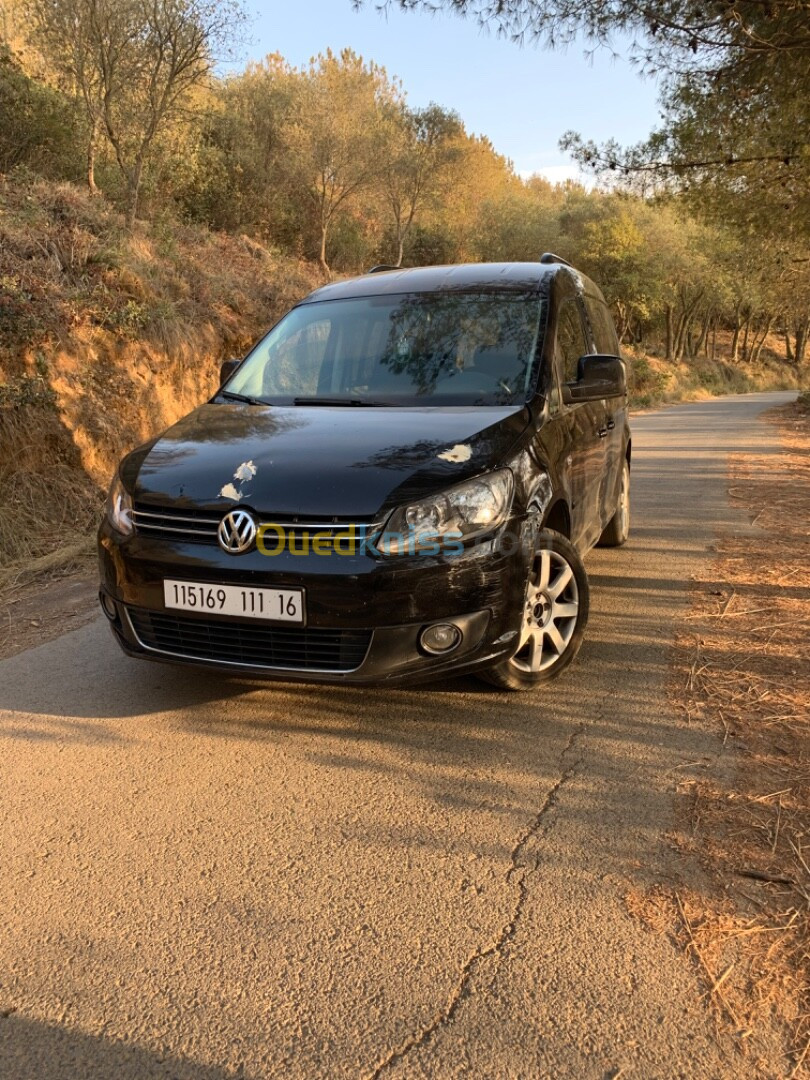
{"points": [[742, 666], [156, 217]]}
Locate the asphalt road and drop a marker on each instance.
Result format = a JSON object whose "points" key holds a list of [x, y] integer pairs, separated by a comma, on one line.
{"points": [[205, 878]]}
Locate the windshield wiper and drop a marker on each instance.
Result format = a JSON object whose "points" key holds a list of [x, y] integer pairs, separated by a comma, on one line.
{"points": [[339, 401], [241, 397]]}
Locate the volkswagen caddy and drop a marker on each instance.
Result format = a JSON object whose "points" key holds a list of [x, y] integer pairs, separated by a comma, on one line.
{"points": [[399, 482]]}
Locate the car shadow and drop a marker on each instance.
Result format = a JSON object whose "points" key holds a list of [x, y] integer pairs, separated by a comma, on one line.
{"points": [[33, 1050]]}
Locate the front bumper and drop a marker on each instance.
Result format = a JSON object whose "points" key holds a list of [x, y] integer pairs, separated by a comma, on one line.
{"points": [[386, 602]]}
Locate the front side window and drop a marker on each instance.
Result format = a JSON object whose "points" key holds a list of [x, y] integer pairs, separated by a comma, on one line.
{"points": [[571, 343], [604, 332], [421, 348]]}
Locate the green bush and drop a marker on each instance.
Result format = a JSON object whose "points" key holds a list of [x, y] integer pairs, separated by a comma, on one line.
{"points": [[29, 389], [21, 320], [39, 127], [128, 319], [645, 382]]}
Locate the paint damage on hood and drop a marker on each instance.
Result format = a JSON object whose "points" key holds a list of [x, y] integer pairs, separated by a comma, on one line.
{"points": [[243, 475], [460, 452]]}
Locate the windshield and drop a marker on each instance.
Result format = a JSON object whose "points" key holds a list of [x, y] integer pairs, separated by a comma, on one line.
{"points": [[422, 349]]}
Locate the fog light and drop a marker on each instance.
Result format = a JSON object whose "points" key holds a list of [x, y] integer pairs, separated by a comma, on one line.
{"points": [[108, 607], [440, 638]]}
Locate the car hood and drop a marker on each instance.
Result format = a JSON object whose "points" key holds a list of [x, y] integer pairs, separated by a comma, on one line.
{"points": [[318, 461]]}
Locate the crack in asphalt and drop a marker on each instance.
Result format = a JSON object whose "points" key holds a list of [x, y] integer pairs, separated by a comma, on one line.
{"points": [[519, 870]]}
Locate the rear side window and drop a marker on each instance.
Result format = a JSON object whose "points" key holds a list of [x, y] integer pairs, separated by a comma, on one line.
{"points": [[604, 332], [571, 343]]}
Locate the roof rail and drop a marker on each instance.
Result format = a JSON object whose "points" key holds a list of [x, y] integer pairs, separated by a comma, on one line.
{"points": [[379, 269], [550, 257]]}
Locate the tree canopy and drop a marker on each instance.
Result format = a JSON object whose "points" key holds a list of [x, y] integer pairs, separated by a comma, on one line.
{"points": [[131, 63], [328, 162], [736, 96]]}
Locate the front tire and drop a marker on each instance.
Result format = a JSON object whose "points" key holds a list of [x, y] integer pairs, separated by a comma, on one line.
{"points": [[555, 611], [617, 529]]}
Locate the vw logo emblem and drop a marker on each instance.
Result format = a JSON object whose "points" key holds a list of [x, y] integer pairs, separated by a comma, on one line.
{"points": [[236, 532]]}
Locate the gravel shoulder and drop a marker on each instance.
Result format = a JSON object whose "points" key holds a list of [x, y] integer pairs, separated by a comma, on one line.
{"points": [[40, 610]]}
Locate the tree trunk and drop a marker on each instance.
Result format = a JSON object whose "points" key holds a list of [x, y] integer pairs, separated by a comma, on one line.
{"points": [[91, 159], [622, 322], [801, 342], [735, 340], [745, 355], [735, 343], [756, 351], [714, 340], [789, 355], [134, 192], [680, 337], [400, 249], [683, 343], [691, 347], [670, 334], [703, 337], [322, 255]]}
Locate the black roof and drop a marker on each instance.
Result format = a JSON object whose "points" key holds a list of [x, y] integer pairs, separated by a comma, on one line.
{"points": [[509, 277]]}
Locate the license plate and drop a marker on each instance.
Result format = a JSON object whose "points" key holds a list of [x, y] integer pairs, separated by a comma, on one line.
{"points": [[272, 605]]}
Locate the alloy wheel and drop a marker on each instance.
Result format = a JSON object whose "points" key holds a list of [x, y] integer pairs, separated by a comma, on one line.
{"points": [[549, 614]]}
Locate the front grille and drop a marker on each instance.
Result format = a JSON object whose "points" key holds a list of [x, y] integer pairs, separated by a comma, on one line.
{"points": [[200, 527], [261, 646], [186, 526]]}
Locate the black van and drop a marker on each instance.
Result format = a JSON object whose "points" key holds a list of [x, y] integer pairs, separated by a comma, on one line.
{"points": [[397, 483]]}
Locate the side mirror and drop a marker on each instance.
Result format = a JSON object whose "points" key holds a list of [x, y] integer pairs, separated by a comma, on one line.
{"points": [[597, 377], [227, 369]]}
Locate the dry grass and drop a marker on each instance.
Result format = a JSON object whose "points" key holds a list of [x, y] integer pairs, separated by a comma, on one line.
{"points": [[654, 381], [47, 504], [750, 964], [106, 338], [79, 555], [744, 666]]}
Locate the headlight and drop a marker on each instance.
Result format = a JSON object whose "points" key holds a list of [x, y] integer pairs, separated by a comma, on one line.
{"points": [[119, 507], [472, 509]]}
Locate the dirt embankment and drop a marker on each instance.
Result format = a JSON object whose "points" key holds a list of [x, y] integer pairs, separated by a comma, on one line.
{"points": [[107, 337]]}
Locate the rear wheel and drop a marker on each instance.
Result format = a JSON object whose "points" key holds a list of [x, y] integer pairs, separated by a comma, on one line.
{"points": [[555, 611], [617, 529]]}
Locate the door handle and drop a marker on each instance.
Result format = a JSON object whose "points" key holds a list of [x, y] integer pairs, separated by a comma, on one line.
{"points": [[602, 433], [611, 425]]}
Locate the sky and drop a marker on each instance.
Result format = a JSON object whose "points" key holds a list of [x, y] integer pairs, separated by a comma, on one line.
{"points": [[523, 99]]}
